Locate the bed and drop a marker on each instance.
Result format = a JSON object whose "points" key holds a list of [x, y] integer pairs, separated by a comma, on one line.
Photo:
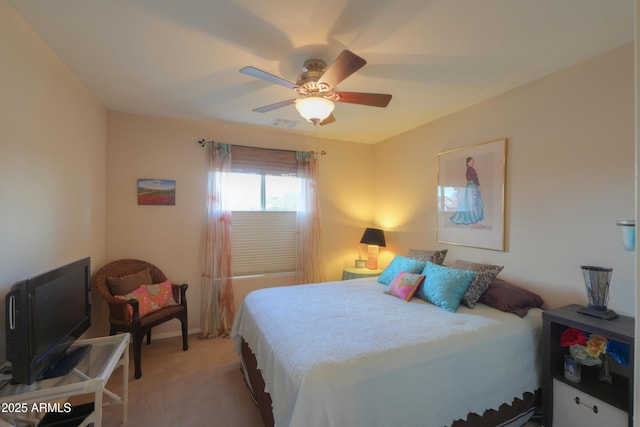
{"points": [[348, 354]]}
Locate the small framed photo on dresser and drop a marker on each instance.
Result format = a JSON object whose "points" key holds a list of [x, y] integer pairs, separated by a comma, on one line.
{"points": [[572, 369]]}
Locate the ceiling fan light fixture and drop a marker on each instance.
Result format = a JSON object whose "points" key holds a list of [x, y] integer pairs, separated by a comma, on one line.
{"points": [[314, 108]]}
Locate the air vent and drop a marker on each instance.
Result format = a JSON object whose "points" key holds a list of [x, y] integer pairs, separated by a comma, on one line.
{"points": [[283, 123]]}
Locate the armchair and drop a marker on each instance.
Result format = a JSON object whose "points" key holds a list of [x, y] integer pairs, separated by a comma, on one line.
{"points": [[120, 278]]}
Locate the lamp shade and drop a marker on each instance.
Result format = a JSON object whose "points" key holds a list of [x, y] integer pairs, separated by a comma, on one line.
{"points": [[373, 236], [314, 108]]}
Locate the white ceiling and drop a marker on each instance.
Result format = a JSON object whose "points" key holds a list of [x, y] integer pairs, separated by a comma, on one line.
{"points": [[181, 58]]}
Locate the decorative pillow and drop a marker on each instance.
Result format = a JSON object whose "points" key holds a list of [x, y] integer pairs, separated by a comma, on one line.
{"points": [[485, 273], [150, 298], [510, 298], [444, 286], [405, 285], [126, 284], [161, 294], [144, 301], [398, 264], [436, 257]]}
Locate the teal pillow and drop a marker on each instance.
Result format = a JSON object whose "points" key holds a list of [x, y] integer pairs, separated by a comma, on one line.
{"points": [[398, 264], [444, 286]]}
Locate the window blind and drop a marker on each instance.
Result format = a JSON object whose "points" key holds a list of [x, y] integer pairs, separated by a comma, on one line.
{"points": [[263, 161], [263, 242]]}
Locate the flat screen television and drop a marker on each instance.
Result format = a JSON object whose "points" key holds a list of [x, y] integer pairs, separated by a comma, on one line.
{"points": [[44, 316]]}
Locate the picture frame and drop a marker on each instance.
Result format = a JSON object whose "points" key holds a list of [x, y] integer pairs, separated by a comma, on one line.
{"points": [[471, 195], [572, 369], [361, 263], [156, 191]]}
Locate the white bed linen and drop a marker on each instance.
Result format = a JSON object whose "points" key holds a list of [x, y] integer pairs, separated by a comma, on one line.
{"points": [[346, 354]]}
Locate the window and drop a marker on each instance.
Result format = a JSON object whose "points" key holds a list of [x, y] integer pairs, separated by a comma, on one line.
{"points": [[255, 192], [264, 200], [245, 195]]}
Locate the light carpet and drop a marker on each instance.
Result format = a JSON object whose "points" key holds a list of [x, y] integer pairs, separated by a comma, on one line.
{"points": [[202, 386]]}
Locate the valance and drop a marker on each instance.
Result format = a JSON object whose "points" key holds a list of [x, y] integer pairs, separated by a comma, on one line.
{"points": [[263, 160]]}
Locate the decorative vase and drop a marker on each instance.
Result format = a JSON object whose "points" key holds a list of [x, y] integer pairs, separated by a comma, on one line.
{"points": [[605, 370], [596, 280]]}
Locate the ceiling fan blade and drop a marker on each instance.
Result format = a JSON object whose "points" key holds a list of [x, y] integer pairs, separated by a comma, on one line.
{"points": [[363, 98], [345, 64], [328, 120], [270, 107], [255, 72]]}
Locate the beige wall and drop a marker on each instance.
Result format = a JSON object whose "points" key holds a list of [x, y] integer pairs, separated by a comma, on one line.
{"points": [[52, 161], [170, 236], [570, 176]]}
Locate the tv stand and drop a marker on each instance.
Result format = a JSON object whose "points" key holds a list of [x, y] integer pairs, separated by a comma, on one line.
{"points": [[66, 364], [94, 361]]}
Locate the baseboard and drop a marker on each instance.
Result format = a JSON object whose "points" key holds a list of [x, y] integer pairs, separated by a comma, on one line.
{"points": [[162, 335]]}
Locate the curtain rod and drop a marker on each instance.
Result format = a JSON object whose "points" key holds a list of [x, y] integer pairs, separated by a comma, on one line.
{"points": [[202, 142]]}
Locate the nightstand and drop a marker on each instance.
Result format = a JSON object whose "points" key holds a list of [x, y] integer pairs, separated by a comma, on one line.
{"points": [[589, 402], [357, 273]]}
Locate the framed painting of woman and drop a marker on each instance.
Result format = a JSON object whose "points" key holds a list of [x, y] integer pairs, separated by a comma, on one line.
{"points": [[471, 195]]}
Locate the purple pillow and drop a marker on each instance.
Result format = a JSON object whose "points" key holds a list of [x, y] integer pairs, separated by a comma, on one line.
{"points": [[510, 298]]}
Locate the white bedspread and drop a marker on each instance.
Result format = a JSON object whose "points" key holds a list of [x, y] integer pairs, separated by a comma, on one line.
{"points": [[346, 354]]}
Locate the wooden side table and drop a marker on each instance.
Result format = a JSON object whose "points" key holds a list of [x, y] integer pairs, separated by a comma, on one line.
{"points": [[357, 273], [617, 395]]}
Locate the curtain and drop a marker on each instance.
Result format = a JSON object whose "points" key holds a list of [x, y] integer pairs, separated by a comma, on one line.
{"points": [[309, 260], [217, 292]]}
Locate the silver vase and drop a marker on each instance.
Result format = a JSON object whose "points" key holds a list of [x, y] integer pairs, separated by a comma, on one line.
{"points": [[596, 280], [605, 370]]}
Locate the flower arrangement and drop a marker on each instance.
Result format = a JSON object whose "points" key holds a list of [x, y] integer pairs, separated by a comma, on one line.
{"points": [[587, 348]]}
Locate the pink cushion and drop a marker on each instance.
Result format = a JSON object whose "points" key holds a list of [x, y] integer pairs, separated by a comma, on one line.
{"points": [[161, 294], [150, 298], [405, 285], [144, 301]]}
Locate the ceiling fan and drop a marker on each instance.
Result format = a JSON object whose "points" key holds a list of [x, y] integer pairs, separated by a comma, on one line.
{"points": [[316, 87]]}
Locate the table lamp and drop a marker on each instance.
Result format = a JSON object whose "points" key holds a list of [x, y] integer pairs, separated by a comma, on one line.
{"points": [[374, 238]]}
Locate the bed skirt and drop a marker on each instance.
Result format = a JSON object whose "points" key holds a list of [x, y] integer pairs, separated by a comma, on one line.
{"points": [[513, 414]]}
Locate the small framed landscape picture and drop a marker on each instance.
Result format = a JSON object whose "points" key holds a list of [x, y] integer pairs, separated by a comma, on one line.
{"points": [[156, 191]]}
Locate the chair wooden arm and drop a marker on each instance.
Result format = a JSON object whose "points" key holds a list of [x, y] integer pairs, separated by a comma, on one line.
{"points": [[136, 310], [118, 310], [180, 293]]}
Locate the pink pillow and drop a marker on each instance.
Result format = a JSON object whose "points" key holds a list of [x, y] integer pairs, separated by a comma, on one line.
{"points": [[161, 294], [150, 298], [144, 301], [405, 285]]}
